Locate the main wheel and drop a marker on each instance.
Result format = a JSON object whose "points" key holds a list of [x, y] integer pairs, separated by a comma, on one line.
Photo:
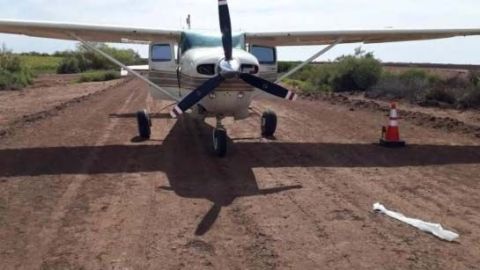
{"points": [[144, 124], [269, 123], [220, 142]]}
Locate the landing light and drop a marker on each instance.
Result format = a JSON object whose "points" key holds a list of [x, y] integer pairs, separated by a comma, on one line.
{"points": [[241, 95], [212, 95]]}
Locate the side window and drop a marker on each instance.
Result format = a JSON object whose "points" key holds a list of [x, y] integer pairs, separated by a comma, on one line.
{"points": [[265, 55], [161, 53]]}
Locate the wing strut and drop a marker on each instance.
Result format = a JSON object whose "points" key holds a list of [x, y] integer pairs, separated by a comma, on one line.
{"points": [[309, 60], [118, 63]]}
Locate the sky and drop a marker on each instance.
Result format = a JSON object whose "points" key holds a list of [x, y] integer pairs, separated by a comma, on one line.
{"points": [[266, 16]]}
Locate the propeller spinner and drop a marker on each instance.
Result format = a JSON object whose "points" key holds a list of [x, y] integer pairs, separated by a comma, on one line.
{"points": [[228, 68]]}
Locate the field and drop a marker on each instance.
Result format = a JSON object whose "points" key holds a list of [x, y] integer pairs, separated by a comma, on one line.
{"points": [[79, 191], [42, 64]]}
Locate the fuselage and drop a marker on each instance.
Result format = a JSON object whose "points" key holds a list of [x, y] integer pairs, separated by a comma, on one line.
{"points": [[198, 57]]}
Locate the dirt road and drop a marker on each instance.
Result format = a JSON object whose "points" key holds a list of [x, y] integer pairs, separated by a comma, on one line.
{"points": [[77, 191]]}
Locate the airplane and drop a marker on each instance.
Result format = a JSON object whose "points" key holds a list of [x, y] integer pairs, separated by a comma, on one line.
{"points": [[215, 75]]}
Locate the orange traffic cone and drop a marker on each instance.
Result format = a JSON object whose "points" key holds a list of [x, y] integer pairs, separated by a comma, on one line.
{"points": [[391, 134]]}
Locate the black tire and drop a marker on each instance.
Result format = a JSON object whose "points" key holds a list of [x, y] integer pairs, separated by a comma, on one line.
{"points": [[220, 142], [269, 123], [144, 123]]}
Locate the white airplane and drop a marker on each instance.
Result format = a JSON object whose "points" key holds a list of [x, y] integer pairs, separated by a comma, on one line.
{"points": [[215, 76]]}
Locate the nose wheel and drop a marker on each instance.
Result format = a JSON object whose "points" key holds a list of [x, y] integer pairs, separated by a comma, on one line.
{"points": [[144, 123], [220, 139], [220, 142], [269, 123]]}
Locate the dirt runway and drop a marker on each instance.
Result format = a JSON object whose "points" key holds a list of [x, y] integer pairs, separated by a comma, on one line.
{"points": [[78, 192]]}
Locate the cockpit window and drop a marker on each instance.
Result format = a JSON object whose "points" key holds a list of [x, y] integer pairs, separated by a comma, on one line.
{"points": [[161, 53], [265, 55], [192, 40]]}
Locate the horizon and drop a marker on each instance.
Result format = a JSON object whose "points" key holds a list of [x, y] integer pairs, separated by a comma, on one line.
{"points": [[303, 15]]}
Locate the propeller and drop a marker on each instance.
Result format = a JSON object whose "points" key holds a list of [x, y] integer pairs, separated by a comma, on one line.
{"points": [[226, 28], [196, 95], [267, 86], [229, 68]]}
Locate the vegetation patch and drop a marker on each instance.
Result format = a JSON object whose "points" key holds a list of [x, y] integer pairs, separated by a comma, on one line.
{"points": [[355, 72], [99, 76], [82, 59], [419, 87], [363, 73], [14, 74], [41, 63]]}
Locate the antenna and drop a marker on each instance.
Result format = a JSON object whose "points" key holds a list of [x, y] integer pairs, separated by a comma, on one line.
{"points": [[189, 22]]}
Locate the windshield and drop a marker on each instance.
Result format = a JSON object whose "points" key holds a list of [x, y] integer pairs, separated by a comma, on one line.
{"points": [[192, 40]]}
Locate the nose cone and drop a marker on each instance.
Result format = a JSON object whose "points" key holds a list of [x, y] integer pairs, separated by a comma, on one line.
{"points": [[229, 68]]}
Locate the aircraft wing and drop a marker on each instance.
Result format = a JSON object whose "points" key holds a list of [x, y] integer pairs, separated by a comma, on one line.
{"points": [[95, 33], [365, 36]]}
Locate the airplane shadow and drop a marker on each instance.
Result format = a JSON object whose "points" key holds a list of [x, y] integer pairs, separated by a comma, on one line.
{"points": [[194, 172]]}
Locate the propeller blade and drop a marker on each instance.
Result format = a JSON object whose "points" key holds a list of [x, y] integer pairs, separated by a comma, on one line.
{"points": [[226, 28], [196, 95], [268, 87]]}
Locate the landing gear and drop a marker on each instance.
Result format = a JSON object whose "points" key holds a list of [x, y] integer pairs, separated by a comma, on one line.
{"points": [[144, 124], [269, 123], [220, 139]]}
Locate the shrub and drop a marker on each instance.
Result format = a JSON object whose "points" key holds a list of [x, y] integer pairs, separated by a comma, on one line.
{"points": [[392, 86], [470, 98], [419, 87], [356, 73], [88, 60], [286, 66], [68, 65], [348, 73], [96, 61], [416, 86], [418, 74], [99, 76], [14, 74], [474, 77], [455, 82], [441, 95]]}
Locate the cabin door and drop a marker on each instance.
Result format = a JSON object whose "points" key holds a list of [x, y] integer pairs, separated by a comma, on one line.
{"points": [[267, 57], [163, 69]]}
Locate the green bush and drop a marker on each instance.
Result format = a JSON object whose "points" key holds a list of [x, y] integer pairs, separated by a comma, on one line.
{"points": [[99, 76], [443, 95], [284, 66], [69, 65], [454, 82], [362, 71], [470, 98], [414, 85], [348, 73], [84, 59], [96, 61], [393, 87], [354, 73], [14, 74], [419, 87], [307, 87], [474, 77]]}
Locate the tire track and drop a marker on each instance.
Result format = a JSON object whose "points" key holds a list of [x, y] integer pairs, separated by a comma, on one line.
{"points": [[37, 255], [355, 195]]}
